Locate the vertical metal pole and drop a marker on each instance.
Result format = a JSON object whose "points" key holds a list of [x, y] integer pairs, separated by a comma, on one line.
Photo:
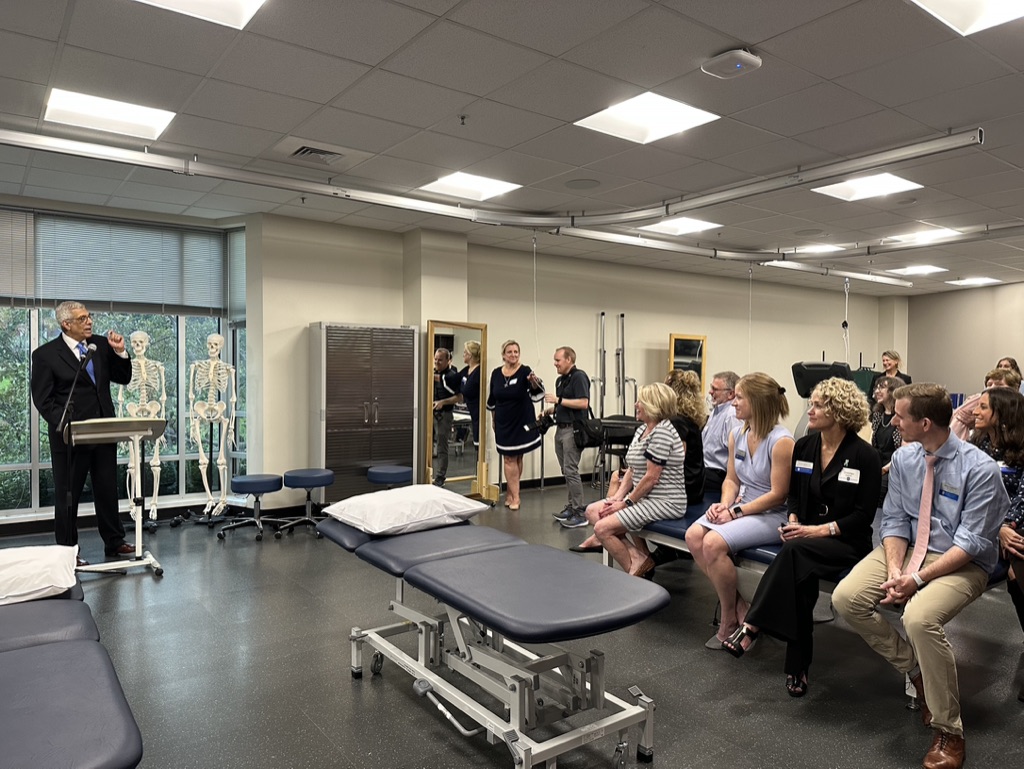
{"points": [[602, 371], [620, 373]]}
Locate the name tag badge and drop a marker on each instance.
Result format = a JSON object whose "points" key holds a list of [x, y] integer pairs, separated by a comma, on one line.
{"points": [[849, 475], [740, 455], [949, 492], [513, 380], [806, 468]]}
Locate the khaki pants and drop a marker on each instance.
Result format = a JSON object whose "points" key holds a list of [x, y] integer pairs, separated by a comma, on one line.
{"points": [[924, 616]]}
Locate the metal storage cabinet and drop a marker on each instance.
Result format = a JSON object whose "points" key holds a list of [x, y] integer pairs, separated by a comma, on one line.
{"points": [[364, 382]]}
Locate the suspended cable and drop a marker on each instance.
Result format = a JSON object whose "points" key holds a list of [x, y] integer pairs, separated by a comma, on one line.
{"points": [[846, 319]]}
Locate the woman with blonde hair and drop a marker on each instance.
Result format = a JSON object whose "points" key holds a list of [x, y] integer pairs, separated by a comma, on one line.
{"points": [[753, 503], [652, 487], [692, 414], [891, 361], [833, 491], [514, 389]]}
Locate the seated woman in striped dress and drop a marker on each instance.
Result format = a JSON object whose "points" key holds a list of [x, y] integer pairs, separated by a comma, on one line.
{"points": [[651, 489]]}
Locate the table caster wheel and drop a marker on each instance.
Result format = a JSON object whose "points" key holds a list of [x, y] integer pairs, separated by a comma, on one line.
{"points": [[277, 535], [220, 535], [259, 537], [151, 528], [357, 674], [210, 525], [377, 664], [176, 522], [158, 572]]}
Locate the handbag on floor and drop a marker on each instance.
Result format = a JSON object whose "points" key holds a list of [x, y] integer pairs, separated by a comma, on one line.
{"points": [[588, 433]]}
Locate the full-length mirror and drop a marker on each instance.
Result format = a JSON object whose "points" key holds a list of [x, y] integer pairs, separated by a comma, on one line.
{"points": [[687, 353], [456, 435]]}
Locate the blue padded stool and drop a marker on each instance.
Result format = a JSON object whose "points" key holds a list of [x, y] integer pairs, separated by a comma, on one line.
{"points": [[309, 478], [257, 485], [389, 475]]}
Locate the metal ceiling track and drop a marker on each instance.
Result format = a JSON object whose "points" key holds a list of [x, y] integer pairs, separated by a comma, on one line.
{"points": [[574, 226]]}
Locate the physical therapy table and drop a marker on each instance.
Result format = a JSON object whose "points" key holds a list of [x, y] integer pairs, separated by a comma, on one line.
{"points": [[505, 605]]}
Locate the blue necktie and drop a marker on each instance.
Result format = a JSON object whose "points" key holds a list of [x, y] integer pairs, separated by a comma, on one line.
{"points": [[82, 352]]}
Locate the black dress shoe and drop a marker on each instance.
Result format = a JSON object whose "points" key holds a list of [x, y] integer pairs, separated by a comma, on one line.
{"points": [[590, 549], [123, 549], [79, 562]]}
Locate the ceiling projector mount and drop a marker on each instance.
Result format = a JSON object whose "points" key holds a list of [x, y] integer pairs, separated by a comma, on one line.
{"points": [[731, 64]]}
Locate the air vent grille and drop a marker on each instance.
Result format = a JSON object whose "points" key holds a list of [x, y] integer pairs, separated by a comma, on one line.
{"points": [[316, 155]]}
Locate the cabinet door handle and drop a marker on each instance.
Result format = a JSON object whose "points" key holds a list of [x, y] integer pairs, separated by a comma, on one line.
{"points": [[376, 413], [366, 412]]}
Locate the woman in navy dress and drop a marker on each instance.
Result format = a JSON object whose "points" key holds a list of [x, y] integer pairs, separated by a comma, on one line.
{"points": [[513, 391], [470, 387]]}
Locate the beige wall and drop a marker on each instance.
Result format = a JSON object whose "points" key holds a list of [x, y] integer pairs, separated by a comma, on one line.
{"points": [[957, 336]]}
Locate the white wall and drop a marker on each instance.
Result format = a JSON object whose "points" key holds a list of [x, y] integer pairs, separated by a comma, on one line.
{"points": [[957, 336]]}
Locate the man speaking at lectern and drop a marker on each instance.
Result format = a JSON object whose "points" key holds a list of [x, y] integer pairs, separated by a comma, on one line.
{"points": [[82, 366]]}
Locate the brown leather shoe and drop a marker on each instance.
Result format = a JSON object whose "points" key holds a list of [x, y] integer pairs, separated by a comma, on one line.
{"points": [[123, 549], [947, 752], [926, 714]]}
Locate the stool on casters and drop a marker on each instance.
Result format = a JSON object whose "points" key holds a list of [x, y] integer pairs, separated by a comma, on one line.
{"points": [[310, 478], [389, 475], [257, 485]]}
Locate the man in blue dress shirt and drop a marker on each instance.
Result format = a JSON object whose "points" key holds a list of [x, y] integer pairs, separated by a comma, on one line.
{"points": [[937, 574], [715, 435]]}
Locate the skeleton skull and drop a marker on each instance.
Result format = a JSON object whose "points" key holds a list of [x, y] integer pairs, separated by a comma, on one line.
{"points": [[140, 343], [214, 344]]}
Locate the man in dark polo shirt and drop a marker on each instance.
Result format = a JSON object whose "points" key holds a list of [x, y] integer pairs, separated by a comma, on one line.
{"points": [[570, 403], [446, 387]]}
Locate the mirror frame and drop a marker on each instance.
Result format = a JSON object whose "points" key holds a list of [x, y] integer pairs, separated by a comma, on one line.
{"points": [[479, 487], [672, 339]]}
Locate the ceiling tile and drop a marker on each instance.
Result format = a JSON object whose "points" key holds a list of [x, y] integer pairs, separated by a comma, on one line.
{"points": [[815, 107], [713, 140], [256, 62], [42, 177], [11, 174], [26, 58], [140, 204], [968, 107], [81, 166], [66, 195], [20, 98], [565, 91], [442, 150], [951, 168], [305, 212], [605, 182], [146, 33], [496, 124], [405, 174], [231, 103], [701, 177], [650, 48], [401, 99], [200, 133], [778, 157], [980, 185], [533, 199], [638, 195], [574, 145], [870, 133], [495, 62], [642, 162], [365, 31], [1004, 42], [254, 192], [517, 168], [235, 205], [154, 194], [857, 37], [37, 18], [99, 74], [754, 22], [360, 132], [567, 23]]}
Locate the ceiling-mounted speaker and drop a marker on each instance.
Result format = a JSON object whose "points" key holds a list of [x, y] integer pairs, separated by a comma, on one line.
{"points": [[731, 64]]}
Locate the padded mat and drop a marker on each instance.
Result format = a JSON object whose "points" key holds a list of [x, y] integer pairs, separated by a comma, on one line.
{"points": [[396, 555], [342, 534], [536, 594], [42, 622]]}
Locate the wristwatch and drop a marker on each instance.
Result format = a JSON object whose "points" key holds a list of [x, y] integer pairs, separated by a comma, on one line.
{"points": [[628, 501], [736, 510]]}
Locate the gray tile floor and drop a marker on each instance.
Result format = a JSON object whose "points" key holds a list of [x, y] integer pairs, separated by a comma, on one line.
{"points": [[239, 657]]}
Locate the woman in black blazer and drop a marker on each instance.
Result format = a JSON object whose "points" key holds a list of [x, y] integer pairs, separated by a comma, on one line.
{"points": [[833, 494], [891, 361]]}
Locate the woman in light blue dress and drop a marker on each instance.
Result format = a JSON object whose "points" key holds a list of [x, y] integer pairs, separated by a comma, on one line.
{"points": [[753, 503]]}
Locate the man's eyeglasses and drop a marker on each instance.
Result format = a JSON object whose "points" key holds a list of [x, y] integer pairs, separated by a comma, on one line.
{"points": [[81, 318], [720, 389]]}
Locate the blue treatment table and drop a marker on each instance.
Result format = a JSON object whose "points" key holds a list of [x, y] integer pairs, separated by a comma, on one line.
{"points": [[499, 625]]}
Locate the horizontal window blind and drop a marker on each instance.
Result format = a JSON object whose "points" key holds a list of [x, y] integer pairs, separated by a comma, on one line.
{"points": [[125, 262], [17, 276], [236, 275]]}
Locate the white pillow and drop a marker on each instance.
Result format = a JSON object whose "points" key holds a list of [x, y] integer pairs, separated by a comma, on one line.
{"points": [[27, 573], [405, 509]]}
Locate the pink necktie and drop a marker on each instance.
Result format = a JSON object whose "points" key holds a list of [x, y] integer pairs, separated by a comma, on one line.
{"points": [[924, 517]]}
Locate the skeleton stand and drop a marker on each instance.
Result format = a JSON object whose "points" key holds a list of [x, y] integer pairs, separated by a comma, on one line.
{"points": [[212, 378], [146, 375]]}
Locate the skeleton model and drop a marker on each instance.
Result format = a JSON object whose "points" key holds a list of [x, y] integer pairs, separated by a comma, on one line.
{"points": [[144, 397], [210, 381]]}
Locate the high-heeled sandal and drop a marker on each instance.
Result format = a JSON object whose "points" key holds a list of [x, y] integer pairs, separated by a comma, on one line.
{"points": [[796, 685], [734, 643]]}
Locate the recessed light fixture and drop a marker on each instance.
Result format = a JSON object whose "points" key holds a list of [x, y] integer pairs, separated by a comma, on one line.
{"points": [[461, 185], [821, 248], [970, 16], [926, 236], [918, 269], [582, 184], [119, 117], [646, 118], [973, 282], [867, 187], [230, 13], [681, 225]]}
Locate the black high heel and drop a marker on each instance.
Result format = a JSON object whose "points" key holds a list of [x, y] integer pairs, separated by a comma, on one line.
{"points": [[734, 643], [796, 685]]}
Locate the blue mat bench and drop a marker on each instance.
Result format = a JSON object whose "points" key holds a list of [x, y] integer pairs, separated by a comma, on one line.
{"points": [[62, 703], [499, 626]]}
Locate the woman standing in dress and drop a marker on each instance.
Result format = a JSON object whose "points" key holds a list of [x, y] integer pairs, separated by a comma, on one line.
{"points": [[885, 437], [513, 391], [753, 503], [470, 385], [833, 490]]}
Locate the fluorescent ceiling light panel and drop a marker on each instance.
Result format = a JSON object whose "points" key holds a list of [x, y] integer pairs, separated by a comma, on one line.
{"points": [[681, 225], [646, 118], [918, 269], [230, 13], [823, 248], [973, 282], [118, 117], [460, 185], [926, 236], [970, 16], [867, 187]]}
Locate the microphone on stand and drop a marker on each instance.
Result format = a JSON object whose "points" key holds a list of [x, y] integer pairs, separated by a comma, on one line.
{"points": [[62, 426]]}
